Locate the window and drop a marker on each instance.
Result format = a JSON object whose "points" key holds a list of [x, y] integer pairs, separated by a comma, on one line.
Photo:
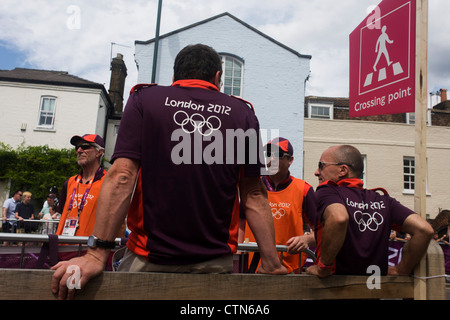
{"points": [[47, 112], [411, 118], [320, 111], [364, 175], [232, 76], [408, 173]]}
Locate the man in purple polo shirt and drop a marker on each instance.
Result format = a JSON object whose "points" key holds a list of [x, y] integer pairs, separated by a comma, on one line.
{"points": [[355, 223], [185, 156]]}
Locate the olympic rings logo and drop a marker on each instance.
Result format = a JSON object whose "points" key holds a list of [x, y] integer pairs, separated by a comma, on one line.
{"points": [[278, 213], [367, 221], [197, 122]]}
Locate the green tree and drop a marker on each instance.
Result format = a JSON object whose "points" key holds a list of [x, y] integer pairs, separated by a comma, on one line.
{"points": [[37, 168]]}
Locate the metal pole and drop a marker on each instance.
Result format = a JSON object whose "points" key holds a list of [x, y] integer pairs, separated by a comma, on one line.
{"points": [[155, 52]]}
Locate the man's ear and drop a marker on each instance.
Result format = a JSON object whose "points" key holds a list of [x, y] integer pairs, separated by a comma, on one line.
{"points": [[344, 171], [291, 160], [100, 153], [217, 79]]}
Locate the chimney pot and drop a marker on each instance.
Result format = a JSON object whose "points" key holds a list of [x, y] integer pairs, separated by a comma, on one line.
{"points": [[117, 83]]}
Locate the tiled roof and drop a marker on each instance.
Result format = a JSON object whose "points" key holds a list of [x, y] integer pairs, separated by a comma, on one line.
{"points": [[46, 77], [233, 17]]}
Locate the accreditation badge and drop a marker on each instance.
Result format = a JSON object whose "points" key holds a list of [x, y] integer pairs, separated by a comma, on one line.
{"points": [[70, 226]]}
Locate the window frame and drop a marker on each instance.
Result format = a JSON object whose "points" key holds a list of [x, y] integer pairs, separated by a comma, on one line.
{"points": [[328, 106], [411, 181], [53, 113], [237, 60]]}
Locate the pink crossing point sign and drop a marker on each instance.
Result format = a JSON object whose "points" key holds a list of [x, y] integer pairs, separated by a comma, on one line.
{"points": [[382, 60]]}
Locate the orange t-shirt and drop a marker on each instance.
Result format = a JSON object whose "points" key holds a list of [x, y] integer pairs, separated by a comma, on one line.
{"points": [[287, 213], [86, 219]]}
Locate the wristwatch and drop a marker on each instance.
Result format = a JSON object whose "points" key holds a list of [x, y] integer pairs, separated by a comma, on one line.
{"points": [[94, 242], [324, 266]]}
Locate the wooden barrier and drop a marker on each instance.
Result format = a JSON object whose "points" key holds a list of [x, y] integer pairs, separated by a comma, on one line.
{"points": [[21, 284], [35, 284]]}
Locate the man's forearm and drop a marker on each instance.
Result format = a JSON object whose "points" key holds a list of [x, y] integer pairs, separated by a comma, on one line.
{"points": [[115, 197], [334, 232], [259, 217], [421, 234], [260, 222]]}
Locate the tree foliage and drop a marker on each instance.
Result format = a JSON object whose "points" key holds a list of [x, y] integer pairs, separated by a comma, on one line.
{"points": [[37, 168]]}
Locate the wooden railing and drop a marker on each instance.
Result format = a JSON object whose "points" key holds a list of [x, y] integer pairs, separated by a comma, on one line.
{"points": [[35, 284]]}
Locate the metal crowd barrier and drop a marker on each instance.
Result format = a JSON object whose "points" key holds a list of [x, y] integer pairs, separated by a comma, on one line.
{"points": [[30, 237], [82, 240], [32, 226]]}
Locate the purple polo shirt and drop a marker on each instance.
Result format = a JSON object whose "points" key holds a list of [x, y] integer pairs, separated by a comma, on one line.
{"points": [[371, 218], [193, 142]]}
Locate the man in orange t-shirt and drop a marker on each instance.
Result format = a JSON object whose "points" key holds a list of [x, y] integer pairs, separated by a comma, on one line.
{"points": [[79, 194], [292, 203]]}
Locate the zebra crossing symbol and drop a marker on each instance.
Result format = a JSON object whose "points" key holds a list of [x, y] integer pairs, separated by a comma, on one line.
{"points": [[396, 70]]}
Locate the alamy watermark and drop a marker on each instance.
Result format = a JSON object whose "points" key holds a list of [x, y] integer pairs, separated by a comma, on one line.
{"points": [[200, 142], [73, 22], [374, 19], [374, 280], [74, 280]]}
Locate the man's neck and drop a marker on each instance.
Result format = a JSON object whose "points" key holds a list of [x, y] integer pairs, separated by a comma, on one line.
{"points": [[88, 172], [279, 177]]}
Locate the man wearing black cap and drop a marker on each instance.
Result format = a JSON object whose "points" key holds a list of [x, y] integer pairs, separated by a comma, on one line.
{"points": [[80, 193]]}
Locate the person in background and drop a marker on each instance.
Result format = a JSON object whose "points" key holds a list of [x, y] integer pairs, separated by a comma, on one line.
{"points": [[50, 227], [51, 200], [9, 210], [25, 210]]}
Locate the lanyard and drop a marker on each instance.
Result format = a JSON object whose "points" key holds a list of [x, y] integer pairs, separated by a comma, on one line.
{"points": [[86, 193]]}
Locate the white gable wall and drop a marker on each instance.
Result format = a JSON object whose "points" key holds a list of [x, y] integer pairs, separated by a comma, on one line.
{"points": [[77, 112], [273, 76]]}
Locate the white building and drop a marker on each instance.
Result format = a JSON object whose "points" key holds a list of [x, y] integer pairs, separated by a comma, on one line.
{"points": [[39, 107], [257, 68]]}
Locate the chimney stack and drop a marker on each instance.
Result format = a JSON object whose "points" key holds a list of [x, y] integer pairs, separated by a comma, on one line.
{"points": [[443, 95], [117, 84]]}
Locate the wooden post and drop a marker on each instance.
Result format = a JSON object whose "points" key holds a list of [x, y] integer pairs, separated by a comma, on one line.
{"points": [[421, 132], [435, 266]]}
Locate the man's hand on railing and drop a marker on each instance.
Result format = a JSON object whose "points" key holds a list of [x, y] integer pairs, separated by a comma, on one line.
{"points": [[74, 274]]}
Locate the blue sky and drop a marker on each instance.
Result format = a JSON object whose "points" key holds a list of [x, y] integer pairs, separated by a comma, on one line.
{"points": [[76, 35], [11, 58]]}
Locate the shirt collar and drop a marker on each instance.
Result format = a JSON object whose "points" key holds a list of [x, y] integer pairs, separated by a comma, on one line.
{"points": [[349, 182], [98, 174], [281, 186], [195, 83]]}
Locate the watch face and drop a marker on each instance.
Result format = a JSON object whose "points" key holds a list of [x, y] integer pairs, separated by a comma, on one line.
{"points": [[91, 241]]}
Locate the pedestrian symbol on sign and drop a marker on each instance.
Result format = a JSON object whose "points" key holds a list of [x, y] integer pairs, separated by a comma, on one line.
{"points": [[381, 48]]}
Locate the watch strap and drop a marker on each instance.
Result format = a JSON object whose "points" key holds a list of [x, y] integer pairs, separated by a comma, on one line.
{"points": [[105, 244]]}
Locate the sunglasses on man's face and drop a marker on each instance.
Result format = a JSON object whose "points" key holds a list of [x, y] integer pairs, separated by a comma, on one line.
{"points": [[276, 154], [85, 146], [322, 164]]}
